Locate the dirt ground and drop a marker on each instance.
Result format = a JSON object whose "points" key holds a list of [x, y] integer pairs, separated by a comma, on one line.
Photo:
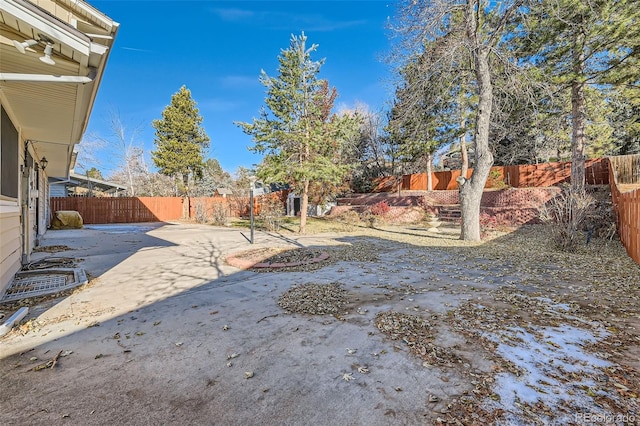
{"points": [[422, 329]]}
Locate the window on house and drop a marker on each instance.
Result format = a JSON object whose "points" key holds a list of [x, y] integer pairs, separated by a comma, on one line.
{"points": [[8, 157]]}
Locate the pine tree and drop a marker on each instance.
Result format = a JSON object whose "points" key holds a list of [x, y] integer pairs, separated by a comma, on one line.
{"points": [[296, 131], [94, 173], [581, 43], [213, 177], [423, 109], [625, 119], [180, 140]]}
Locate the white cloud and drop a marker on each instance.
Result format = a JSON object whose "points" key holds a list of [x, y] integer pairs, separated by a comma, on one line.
{"points": [[284, 20], [239, 81]]}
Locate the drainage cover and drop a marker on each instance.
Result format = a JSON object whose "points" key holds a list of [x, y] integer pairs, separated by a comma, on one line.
{"points": [[38, 283]]}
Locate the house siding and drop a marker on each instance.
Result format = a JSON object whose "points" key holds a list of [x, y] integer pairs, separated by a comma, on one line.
{"points": [[29, 136], [43, 204], [58, 190], [10, 247]]}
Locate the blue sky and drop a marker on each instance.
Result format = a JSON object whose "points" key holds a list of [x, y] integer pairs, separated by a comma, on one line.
{"points": [[217, 50]]}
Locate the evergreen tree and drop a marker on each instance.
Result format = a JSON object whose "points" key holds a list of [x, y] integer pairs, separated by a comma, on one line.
{"points": [[625, 119], [581, 43], [297, 132], [94, 173], [422, 113], [180, 140], [213, 177]]}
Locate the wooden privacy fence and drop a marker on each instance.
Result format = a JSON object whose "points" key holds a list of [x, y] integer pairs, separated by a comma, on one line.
{"points": [[121, 209], [624, 175], [96, 210], [523, 176]]}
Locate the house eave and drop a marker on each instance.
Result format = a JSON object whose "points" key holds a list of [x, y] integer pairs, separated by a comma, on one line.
{"points": [[52, 104]]}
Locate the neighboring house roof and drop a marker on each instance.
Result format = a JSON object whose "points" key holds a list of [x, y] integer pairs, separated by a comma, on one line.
{"points": [[275, 187], [83, 181], [51, 103], [224, 191]]}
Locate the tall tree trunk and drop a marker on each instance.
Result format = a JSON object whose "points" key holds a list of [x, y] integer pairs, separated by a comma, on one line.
{"points": [[464, 154], [132, 190], [429, 177], [471, 190], [185, 182], [304, 203], [578, 120]]}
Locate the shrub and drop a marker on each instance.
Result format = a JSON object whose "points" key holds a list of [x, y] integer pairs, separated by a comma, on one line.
{"points": [[271, 212], [573, 218], [200, 213], [349, 216], [487, 223], [380, 208], [347, 220], [495, 180], [219, 214], [369, 218]]}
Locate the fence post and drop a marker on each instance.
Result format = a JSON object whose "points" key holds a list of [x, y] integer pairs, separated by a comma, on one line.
{"points": [[251, 211], [186, 208]]}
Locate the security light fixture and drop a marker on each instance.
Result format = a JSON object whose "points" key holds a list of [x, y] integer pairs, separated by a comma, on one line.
{"points": [[47, 55], [48, 50], [22, 46], [43, 163]]}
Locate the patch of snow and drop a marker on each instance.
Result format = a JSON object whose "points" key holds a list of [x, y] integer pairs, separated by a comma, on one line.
{"points": [[548, 360], [562, 306]]}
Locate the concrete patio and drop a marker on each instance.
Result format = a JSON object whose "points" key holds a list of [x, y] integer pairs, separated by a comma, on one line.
{"points": [[167, 332]]}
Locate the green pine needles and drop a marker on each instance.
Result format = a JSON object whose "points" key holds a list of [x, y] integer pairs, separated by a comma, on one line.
{"points": [[301, 139], [180, 141]]}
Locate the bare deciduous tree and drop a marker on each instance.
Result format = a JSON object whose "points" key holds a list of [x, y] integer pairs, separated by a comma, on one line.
{"points": [[463, 28]]}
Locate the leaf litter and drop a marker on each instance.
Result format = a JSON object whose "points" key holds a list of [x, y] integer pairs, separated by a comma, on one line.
{"points": [[554, 324], [314, 299]]}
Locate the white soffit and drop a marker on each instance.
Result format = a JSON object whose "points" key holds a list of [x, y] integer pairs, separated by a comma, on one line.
{"points": [[22, 18]]}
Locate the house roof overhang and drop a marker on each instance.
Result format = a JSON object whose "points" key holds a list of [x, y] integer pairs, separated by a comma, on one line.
{"points": [[51, 104], [84, 181]]}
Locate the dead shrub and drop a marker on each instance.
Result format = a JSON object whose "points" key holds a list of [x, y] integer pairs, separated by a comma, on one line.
{"points": [[370, 219], [271, 212], [219, 214], [349, 219], [576, 218], [200, 211]]}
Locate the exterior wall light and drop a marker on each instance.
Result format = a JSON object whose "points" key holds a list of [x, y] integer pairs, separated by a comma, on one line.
{"points": [[48, 50], [22, 46], [47, 55], [43, 163]]}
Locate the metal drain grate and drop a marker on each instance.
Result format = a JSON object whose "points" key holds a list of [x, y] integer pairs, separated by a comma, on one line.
{"points": [[38, 283]]}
